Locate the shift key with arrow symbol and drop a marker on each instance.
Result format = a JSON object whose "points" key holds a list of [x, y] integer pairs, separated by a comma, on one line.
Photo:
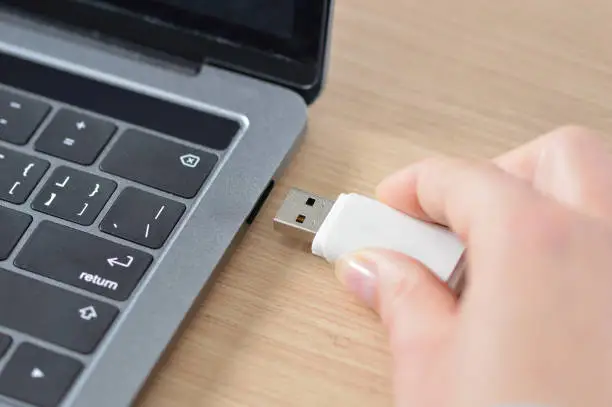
{"points": [[83, 260]]}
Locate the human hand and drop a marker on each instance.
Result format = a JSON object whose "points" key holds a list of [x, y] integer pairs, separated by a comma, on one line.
{"points": [[534, 323]]}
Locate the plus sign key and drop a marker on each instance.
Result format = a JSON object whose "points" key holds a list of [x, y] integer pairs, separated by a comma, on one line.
{"points": [[19, 175], [75, 137]]}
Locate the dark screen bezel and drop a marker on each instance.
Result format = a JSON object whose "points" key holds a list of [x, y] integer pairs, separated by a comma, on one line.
{"points": [[301, 47], [271, 61]]}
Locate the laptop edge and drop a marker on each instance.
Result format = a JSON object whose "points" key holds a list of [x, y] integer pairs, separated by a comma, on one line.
{"points": [[273, 122]]}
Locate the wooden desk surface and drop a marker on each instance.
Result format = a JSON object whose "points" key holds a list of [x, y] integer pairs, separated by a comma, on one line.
{"points": [[409, 78]]}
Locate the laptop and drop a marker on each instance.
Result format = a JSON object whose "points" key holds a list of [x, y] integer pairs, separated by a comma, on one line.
{"points": [[138, 141]]}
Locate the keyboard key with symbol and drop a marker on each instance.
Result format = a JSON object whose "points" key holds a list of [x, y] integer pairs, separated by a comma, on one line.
{"points": [[52, 314], [19, 175], [83, 260], [143, 218], [38, 376], [20, 117], [75, 137], [5, 344], [74, 196], [13, 225], [159, 163]]}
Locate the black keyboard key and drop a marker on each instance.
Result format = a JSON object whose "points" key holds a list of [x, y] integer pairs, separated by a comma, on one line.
{"points": [[20, 117], [75, 137], [13, 224], [37, 376], [74, 195], [143, 218], [5, 344], [19, 175], [53, 314], [159, 163], [83, 260]]}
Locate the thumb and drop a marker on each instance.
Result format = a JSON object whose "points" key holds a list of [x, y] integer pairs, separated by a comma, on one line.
{"points": [[408, 297], [417, 309]]}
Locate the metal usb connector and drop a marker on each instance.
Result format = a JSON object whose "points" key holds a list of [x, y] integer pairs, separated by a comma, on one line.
{"points": [[302, 214]]}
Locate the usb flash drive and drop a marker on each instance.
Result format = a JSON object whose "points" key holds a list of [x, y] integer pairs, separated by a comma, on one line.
{"points": [[355, 222]]}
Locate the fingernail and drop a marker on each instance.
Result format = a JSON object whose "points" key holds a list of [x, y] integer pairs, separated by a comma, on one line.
{"points": [[370, 272], [359, 274]]}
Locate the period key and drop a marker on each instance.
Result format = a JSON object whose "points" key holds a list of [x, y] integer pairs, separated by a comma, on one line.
{"points": [[83, 260]]}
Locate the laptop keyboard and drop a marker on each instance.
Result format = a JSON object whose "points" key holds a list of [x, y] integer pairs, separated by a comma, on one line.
{"points": [[69, 198]]}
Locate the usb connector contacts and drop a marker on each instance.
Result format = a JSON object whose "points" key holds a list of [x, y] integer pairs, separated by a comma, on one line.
{"points": [[353, 222], [302, 214]]}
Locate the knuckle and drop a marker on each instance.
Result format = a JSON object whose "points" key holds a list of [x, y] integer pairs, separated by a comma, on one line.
{"points": [[570, 137], [402, 289], [442, 161], [397, 295]]}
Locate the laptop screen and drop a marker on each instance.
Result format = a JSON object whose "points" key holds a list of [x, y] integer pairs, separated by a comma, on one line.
{"points": [[275, 17]]}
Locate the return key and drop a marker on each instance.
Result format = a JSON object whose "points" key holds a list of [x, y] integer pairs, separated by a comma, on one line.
{"points": [[83, 260]]}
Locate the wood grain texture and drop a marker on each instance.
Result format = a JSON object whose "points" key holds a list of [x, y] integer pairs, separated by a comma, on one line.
{"points": [[409, 79]]}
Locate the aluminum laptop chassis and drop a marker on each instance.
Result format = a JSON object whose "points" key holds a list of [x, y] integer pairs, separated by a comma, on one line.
{"points": [[273, 121]]}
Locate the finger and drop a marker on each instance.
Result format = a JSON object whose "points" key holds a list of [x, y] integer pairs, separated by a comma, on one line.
{"points": [[398, 191], [415, 307], [453, 192], [524, 160], [570, 164]]}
